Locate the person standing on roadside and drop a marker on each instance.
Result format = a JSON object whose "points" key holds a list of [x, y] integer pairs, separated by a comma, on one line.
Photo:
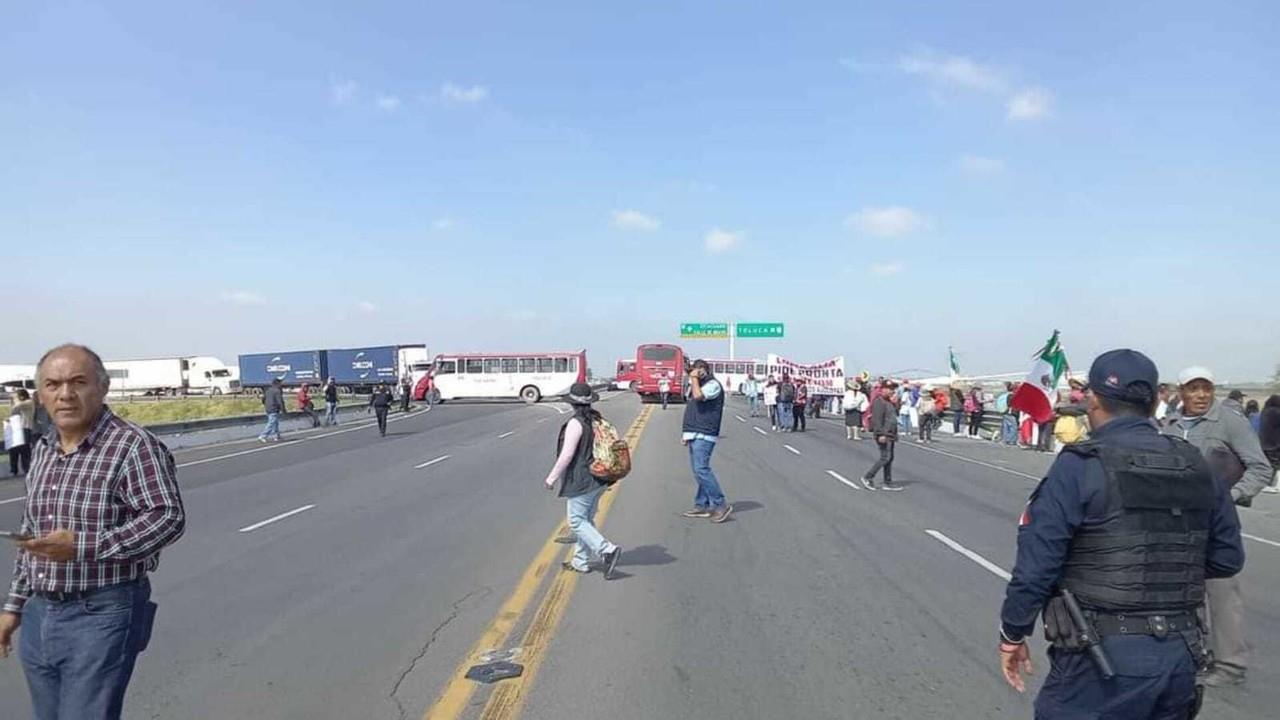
{"points": [[975, 407], [751, 388], [925, 410], [958, 410], [884, 425], [1269, 438], [580, 489], [305, 405], [406, 392], [331, 402], [703, 411], [1008, 416], [771, 402], [102, 501], [664, 390], [20, 454], [786, 404], [1227, 442], [380, 403], [855, 401], [273, 403], [798, 408]]}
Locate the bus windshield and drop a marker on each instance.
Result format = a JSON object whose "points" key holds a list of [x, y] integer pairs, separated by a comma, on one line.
{"points": [[658, 353]]}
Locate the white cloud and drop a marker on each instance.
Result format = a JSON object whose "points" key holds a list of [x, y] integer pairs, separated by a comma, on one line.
{"points": [[243, 298], [890, 221], [366, 307], [979, 165], [443, 223], [388, 103], [342, 92], [635, 220], [458, 95], [1030, 104], [954, 70], [720, 241], [886, 269]]}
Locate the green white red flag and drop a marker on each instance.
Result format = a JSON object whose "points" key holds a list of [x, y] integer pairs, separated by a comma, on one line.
{"points": [[1035, 395]]}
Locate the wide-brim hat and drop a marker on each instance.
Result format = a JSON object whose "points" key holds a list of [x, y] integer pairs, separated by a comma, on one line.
{"points": [[581, 394]]}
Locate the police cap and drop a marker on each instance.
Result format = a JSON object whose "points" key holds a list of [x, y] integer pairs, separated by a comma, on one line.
{"points": [[1125, 375]]}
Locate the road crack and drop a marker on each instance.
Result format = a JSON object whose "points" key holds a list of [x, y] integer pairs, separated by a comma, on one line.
{"points": [[454, 610]]}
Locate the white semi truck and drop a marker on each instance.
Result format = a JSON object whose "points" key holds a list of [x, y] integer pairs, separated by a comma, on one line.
{"points": [[193, 375]]}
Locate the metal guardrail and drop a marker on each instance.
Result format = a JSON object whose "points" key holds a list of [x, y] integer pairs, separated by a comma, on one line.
{"points": [[189, 426]]}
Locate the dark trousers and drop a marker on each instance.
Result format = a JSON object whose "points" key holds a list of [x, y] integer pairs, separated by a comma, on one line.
{"points": [[20, 457], [310, 410], [815, 408], [797, 418], [956, 420], [885, 462], [926, 426], [664, 400], [975, 422], [1045, 441], [404, 401], [1154, 679], [381, 412]]}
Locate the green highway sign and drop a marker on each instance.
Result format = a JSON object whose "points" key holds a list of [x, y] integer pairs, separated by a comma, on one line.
{"points": [[704, 330], [759, 330]]}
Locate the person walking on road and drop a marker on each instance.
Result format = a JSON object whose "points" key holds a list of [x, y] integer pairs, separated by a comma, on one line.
{"points": [[786, 404], [664, 390], [771, 402], [305, 405], [884, 426], [102, 500], [406, 391], [24, 408], [580, 489], [751, 388], [273, 403], [380, 403], [854, 403], [1127, 526], [1235, 455], [703, 411], [331, 402], [798, 408]]}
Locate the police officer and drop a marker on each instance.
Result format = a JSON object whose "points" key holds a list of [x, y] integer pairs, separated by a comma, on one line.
{"points": [[1129, 525]]}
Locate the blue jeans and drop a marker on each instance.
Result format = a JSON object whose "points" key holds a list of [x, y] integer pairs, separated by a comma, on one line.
{"points": [[272, 428], [582, 514], [785, 416], [1009, 429], [331, 413], [79, 655], [709, 495], [753, 403]]}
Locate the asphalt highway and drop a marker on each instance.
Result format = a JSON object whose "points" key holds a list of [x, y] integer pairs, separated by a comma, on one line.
{"points": [[343, 575]]}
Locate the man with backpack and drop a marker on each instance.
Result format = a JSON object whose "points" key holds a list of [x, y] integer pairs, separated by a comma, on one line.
{"points": [[576, 472], [703, 411], [786, 403]]}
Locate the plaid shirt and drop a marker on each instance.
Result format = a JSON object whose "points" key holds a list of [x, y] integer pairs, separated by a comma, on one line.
{"points": [[118, 492]]}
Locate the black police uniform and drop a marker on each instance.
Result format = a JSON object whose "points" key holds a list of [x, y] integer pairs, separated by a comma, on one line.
{"points": [[1132, 523]]}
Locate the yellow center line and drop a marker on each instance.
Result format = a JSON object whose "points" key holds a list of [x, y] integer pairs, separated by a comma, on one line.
{"points": [[456, 696]]}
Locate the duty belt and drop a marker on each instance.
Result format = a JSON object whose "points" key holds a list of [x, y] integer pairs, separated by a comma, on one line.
{"points": [[1155, 625]]}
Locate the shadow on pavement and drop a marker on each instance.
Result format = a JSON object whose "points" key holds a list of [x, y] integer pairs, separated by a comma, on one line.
{"points": [[645, 555], [745, 506]]}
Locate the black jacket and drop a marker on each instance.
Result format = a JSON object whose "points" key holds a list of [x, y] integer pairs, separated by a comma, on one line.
{"points": [[884, 418], [380, 399], [331, 393]]}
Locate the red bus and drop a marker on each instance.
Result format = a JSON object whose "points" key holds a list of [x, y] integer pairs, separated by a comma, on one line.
{"points": [[528, 376], [656, 361], [625, 377]]}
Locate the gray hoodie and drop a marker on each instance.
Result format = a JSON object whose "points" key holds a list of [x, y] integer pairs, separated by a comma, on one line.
{"points": [[1225, 435]]}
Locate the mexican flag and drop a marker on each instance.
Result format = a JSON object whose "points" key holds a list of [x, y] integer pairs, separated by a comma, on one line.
{"points": [[955, 364], [1035, 395]]}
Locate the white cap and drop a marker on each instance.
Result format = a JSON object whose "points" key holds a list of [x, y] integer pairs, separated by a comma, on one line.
{"points": [[1195, 372]]}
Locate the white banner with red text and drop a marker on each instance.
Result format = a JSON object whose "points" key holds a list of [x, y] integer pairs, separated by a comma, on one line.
{"points": [[824, 378]]}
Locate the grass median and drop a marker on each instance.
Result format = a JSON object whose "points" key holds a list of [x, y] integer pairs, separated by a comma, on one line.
{"points": [[186, 409]]}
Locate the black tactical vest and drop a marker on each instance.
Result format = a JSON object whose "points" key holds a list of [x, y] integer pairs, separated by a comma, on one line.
{"points": [[1150, 557]]}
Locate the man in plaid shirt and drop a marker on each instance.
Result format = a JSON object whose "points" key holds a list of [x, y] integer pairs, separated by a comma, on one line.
{"points": [[102, 500]]}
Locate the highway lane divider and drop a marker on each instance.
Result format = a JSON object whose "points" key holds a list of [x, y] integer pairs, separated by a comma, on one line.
{"points": [[981, 561], [506, 434], [757, 429], [507, 698], [429, 463], [281, 516], [844, 480], [790, 449]]}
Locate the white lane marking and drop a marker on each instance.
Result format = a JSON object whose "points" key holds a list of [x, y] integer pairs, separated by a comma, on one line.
{"points": [[281, 516], [13, 500], [844, 480], [740, 418], [542, 421], [556, 406], [793, 450], [429, 463], [985, 563], [759, 430], [507, 434], [1251, 537], [295, 441], [971, 460]]}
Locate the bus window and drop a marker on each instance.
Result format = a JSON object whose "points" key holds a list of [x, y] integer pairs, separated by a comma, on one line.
{"points": [[717, 368], [528, 365], [760, 370], [562, 364], [446, 367], [493, 365], [545, 365], [510, 365], [475, 366], [573, 364], [659, 353]]}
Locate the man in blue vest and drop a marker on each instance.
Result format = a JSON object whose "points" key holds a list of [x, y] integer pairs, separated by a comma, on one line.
{"points": [[703, 411]]}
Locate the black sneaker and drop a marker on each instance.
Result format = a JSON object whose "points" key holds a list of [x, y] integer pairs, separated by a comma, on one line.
{"points": [[697, 513], [611, 561]]}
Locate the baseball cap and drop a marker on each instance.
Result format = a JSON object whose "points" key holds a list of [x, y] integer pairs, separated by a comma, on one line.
{"points": [[1195, 372], [1125, 375]]}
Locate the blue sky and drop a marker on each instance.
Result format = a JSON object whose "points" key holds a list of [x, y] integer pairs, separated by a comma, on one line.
{"points": [[887, 179]]}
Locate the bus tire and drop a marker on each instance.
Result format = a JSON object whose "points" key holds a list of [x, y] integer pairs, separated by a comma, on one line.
{"points": [[633, 386], [530, 394]]}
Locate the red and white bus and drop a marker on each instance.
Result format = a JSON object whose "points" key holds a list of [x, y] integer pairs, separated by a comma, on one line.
{"points": [[528, 376], [625, 377], [733, 373], [654, 362]]}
